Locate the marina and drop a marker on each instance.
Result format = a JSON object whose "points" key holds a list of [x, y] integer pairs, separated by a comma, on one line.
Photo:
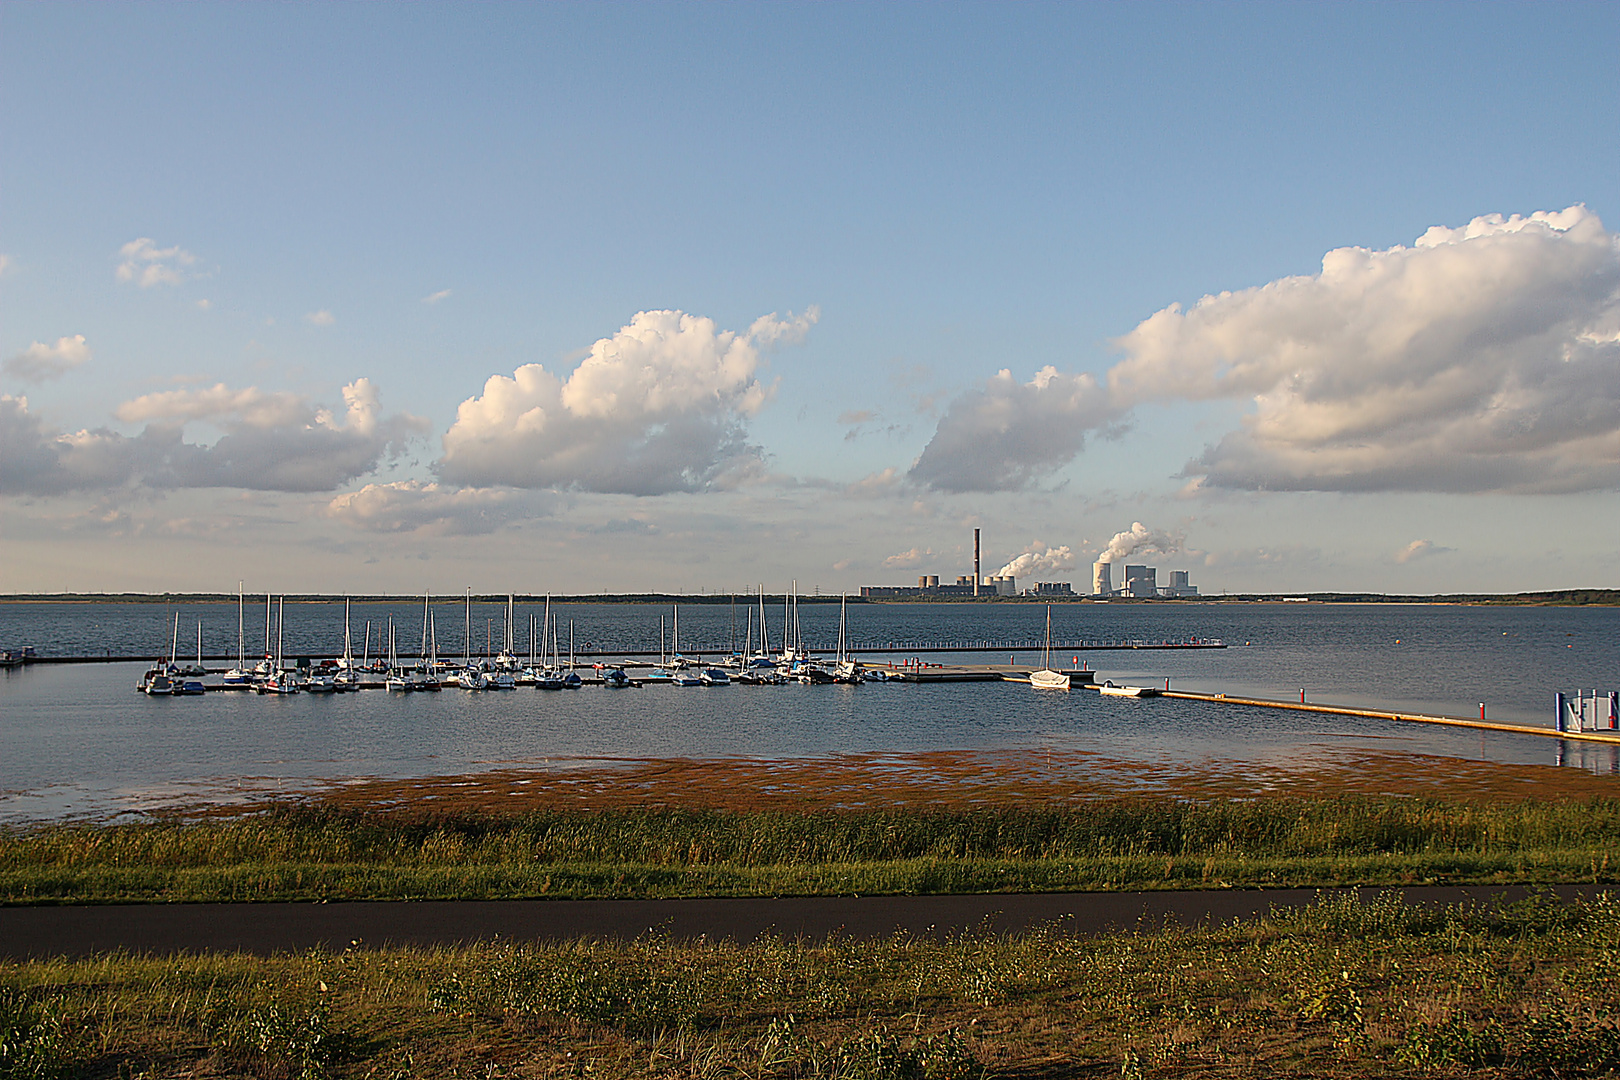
{"points": [[75, 739]]}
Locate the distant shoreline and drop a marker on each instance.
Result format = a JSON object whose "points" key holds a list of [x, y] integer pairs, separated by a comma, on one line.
{"points": [[1550, 598]]}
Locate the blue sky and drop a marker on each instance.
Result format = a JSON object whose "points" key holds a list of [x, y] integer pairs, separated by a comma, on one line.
{"points": [[426, 196]]}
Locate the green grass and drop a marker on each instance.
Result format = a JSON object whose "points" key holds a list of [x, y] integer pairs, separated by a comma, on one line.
{"points": [[303, 854], [1343, 988]]}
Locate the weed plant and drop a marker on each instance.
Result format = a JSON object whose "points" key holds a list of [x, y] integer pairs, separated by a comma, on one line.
{"points": [[316, 853], [1341, 988]]}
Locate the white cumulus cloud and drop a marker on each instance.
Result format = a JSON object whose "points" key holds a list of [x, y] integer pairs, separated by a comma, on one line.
{"points": [[40, 361], [915, 557], [146, 264], [417, 506], [320, 318], [434, 298], [1481, 358], [660, 406], [271, 442], [1419, 549]]}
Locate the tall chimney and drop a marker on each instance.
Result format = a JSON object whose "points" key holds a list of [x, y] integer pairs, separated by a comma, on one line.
{"points": [[976, 578]]}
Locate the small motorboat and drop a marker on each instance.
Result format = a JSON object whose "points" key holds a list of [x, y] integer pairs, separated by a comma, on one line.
{"points": [[190, 688], [1108, 689], [616, 679], [572, 681], [685, 677], [713, 676]]}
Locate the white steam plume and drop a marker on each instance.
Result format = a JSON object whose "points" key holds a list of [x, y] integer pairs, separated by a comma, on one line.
{"points": [[1139, 539], [1037, 558]]}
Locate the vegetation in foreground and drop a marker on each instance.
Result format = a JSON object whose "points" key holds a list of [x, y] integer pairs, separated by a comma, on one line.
{"points": [[314, 853], [1343, 988]]}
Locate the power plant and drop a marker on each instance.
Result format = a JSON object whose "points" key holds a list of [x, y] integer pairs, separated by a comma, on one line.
{"points": [[1141, 582]]}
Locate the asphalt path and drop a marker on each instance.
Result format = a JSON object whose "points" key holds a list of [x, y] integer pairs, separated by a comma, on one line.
{"points": [[266, 929]]}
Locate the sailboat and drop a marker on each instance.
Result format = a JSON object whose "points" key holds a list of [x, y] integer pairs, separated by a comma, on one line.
{"points": [[266, 667], [395, 679], [845, 669], [280, 680], [198, 668], [507, 660], [571, 681], [549, 677], [347, 679], [677, 662], [239, 675], [430, 678], [1046, 678]]}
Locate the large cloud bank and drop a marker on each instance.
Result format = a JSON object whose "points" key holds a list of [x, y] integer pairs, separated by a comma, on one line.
{"points": [[271, 442], [660, 406], [1007, 434], [1482, 358]]}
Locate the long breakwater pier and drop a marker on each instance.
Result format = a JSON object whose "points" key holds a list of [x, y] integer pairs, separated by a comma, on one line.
{"points": [[1611, 738]]}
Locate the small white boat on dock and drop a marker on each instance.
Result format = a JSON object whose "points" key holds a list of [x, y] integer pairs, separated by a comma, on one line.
{"points": [[1108, 689], [1047, 678]]}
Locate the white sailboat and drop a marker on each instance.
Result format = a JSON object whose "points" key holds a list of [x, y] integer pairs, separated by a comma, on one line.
{"points": [[280, 680], [549, 677], [347, 679], [395, 679], [1046, 678], [845, 670], [239, 675]]}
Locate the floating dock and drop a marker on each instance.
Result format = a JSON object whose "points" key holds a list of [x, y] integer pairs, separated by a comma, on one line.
{"points": [[1606, 738]]}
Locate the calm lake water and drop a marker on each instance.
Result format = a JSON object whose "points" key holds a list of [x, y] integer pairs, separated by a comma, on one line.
{"points": [[77, 739]]}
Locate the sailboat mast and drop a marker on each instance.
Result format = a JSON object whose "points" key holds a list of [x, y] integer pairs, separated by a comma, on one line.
{"points": [[241, 642], [281, 629], [348, 638], [509, 617], [267, 625], [174, 641], [764, 631], [466, 652]]}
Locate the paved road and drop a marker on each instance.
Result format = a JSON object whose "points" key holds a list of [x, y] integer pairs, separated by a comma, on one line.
{"points": [[270, 928]]}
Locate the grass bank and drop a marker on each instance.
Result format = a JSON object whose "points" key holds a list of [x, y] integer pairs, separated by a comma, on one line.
{"points": [[312, 853], [1344, 988]]}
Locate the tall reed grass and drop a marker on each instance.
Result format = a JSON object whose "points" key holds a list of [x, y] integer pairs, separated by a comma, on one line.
{"points": [[311, 852]]}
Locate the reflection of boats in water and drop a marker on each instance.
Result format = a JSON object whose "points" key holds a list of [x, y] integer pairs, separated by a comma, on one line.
{"points": [[1110, 690]]}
